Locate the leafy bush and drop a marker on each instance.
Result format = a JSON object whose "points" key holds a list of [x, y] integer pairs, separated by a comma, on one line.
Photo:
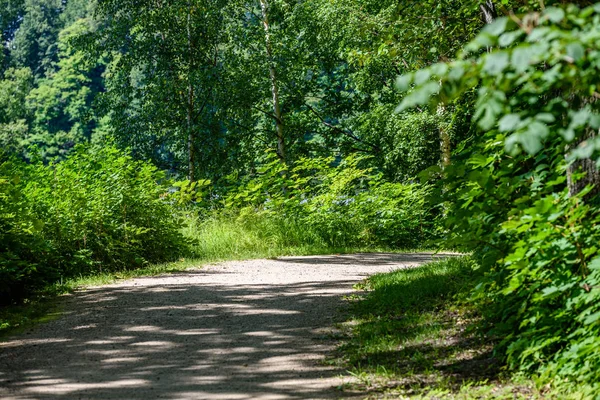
{"points": [[409, 142], [339, 205], [20, 242], [522, 195], [96, 210]]}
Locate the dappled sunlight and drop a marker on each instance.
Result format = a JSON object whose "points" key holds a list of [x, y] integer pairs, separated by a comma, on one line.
{"points": [[217, 348], [255, 333]]}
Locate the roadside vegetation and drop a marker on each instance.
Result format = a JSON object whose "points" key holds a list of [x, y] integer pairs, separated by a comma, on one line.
{"points": [[416, 333], [101, 216]]}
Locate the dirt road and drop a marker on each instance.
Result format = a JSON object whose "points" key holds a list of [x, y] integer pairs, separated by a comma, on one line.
{"points": [[238, 330]]}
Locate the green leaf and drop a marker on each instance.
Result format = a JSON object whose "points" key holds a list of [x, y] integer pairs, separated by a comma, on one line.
{"points": [[422, 76], [404, 81], [575, 51], [439, 69], [456, 73], [531, 143], [497, 27], [419, 96], [521, 58], [537, 129], [509, 122], [496, 62], [568, 134], [554, 14], [592, 318], [508, 38], [583, 151], [545, 117], [579, 118]]}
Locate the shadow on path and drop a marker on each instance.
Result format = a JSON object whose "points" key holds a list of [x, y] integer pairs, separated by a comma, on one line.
{"points": [[204, 338], [375, 259]]}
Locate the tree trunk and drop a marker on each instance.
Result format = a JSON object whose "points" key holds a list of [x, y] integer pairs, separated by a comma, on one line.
{"points": [[190, 102], [274, 88], [590, 170], [488, 11], [445, 147]]}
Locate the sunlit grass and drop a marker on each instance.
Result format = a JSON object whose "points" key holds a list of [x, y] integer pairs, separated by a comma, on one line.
{"points": [[411, 335], [234, 237]]}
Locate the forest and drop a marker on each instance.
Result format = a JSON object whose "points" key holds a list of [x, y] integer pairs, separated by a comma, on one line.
{"points": [[140, 132]]}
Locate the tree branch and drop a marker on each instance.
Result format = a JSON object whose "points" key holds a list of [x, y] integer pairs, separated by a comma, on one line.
{"points": [[342, 131], [268, 114]]}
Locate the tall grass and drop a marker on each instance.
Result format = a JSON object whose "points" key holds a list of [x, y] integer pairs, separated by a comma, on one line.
{"points": [[245, 235], [410, 336]]}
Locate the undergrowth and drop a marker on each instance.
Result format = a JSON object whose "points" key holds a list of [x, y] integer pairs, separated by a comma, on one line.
{"points": [[412, 334], [100, 216]]}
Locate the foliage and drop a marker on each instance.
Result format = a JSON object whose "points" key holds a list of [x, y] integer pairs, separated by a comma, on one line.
{"points": [[164, 80], [60, 104], [14, 88], [133, 72], [409, 142], [189, 85], [342, 203], [96, 210], [515, 196], [48, 86], [333, 90], [19, 234], [409, 335], [34, 43]]}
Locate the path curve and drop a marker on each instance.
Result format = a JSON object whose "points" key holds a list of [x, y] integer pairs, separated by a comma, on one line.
{"points": [[237, 330]]}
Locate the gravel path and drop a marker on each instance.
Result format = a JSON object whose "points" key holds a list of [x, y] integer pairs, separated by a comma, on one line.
{"points": [[238, 330]]}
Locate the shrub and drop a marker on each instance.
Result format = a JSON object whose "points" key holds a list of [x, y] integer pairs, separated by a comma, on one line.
{"points": [[518, 194], [20, 242], [339, 205], [96, 210]]}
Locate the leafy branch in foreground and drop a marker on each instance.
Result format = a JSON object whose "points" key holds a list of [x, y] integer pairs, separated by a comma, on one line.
{"points": [[523, 196]]}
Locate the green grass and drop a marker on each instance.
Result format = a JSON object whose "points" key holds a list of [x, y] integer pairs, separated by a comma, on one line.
{"points": [[259, 235], [412, 334], [223, 238]]}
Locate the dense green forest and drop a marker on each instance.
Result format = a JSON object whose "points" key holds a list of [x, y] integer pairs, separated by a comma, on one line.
{"points": [[137, 132]]}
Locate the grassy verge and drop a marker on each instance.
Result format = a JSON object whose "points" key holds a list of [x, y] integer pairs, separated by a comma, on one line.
{"points": [[412, 335]]}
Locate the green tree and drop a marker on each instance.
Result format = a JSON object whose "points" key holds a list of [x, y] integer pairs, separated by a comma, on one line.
{"points": [[34, 44], [14, 125], [10, 13], [61, 104], [163, 77]]}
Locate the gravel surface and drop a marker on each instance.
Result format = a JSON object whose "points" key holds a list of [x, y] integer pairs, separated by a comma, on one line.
{"points": [[238, 330]]}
